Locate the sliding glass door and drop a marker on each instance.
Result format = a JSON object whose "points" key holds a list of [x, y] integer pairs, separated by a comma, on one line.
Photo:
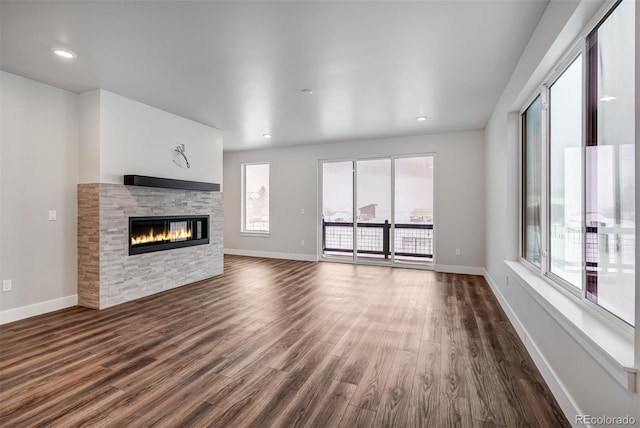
{"points": [[413, 219], [373, 205], [378, 210], [337, 209]]}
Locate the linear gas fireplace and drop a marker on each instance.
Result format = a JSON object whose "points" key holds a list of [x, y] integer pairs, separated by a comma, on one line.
{"points": [[148, 234]]}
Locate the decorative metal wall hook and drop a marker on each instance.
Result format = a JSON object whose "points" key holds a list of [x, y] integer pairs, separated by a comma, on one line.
{"points": [[180, 149]]}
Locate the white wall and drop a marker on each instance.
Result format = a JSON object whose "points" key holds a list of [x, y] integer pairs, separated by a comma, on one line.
{"points": [[126, 137], [39, 169], [459, 205], [89, 150], [579, 382]]}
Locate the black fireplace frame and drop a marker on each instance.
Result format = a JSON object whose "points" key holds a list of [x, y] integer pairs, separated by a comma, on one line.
{"points": [[161, 246]]}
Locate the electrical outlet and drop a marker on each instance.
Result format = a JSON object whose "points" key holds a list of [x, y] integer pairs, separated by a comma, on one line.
{"points": [[7, 285], [53, 215], [457, 251]]}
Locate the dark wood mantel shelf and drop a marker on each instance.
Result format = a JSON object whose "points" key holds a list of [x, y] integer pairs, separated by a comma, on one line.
{"points": [[170, 183]]}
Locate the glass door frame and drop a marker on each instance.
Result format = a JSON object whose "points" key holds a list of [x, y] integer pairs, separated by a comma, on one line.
{"points": [[354, 259]]}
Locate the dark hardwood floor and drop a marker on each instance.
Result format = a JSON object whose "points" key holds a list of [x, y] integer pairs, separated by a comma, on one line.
{"points": [[280, 343]]}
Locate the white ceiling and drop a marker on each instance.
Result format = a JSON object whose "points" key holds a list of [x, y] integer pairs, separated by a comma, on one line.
{"points": [[239, 66]]}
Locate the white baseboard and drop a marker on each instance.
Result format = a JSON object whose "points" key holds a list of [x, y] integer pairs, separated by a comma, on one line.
{"points": [[466, 270], [28, 311], [272, 255], [513, 318], [566, 402]]}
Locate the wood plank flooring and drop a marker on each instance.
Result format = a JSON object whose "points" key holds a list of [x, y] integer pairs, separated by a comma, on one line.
{"points": [[280, 343]]}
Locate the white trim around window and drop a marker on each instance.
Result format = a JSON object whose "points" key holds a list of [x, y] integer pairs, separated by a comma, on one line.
{"points": [[255, 198]]}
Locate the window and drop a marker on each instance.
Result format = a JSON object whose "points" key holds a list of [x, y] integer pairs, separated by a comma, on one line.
{"points": [[610, 163], [255, 198], [531, 182], [565, 175], [578, 173]]}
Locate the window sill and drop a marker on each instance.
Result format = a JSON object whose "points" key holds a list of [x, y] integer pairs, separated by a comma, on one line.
{"points": [[610, 345], [256, 234]]}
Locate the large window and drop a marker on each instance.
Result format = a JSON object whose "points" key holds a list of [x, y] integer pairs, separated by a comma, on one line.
{"points": [[610, 163], [578, 173], [255, 198]]}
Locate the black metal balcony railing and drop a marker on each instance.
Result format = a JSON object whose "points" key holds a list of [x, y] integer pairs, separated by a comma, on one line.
{"points": [[411, 240]]}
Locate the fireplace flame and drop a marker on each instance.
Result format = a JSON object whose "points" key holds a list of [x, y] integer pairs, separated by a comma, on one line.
{"points": [[173, 235]]}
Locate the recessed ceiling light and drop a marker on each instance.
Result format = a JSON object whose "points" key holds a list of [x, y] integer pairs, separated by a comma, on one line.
{"points": [[607, 98], [421, 118], [64, 53], [307, 91], [267, 136]]}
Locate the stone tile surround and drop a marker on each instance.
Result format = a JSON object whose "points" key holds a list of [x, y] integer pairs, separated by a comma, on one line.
{"points": [[107, 275]]}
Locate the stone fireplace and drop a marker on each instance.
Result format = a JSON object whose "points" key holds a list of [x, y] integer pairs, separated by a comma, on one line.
{"points": [[134, 241]]}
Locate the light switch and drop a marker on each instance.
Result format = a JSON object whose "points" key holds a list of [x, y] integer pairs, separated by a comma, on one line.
{"points": [[53, 215]]}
